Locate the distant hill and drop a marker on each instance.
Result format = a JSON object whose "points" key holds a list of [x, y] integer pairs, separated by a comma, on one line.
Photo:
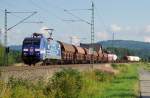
{"points": [[141, 49], [125, 44]]}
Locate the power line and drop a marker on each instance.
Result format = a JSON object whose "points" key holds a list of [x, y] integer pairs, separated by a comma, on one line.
{"points": [[1, 10], [100, 16], [78, 9], [21, 20], [77, 17], [101, 19], [45, 10], [68, 11]]}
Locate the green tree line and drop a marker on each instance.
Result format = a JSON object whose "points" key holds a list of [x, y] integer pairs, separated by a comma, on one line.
{"points": [[121, 52], [13, 56]]}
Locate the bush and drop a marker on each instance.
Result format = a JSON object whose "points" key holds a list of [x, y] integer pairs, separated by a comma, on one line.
{"points": [[26, 89], [65, 84], [22, 92], [1, 86], [13, 82], [114, 65], [120, 67], [0, 73], [103, 76]]}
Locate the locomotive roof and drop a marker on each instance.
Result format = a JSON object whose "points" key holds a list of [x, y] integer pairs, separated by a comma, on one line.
{"points": [[31, 39]]}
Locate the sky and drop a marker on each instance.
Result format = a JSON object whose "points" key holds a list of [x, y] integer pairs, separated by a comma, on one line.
{"points": [[127, 19]]}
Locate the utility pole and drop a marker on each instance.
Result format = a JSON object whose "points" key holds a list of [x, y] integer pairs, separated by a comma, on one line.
{"points": [[92, 34], [92, 27], [6, 48], [0, 36], [5, 40]]}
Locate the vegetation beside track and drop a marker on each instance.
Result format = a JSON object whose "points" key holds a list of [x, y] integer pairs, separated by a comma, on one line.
{"points": [[70, 83], [146, 66], [13, 56]]}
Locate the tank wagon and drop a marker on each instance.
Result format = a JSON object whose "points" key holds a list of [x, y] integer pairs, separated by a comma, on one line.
{"points": [[37, 48]]}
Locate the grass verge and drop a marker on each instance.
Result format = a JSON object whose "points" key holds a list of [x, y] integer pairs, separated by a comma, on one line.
{"points": [[70, 83]]}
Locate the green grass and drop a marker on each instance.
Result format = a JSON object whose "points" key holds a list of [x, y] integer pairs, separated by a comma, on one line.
{"points": [[125, 85], [70, 83], [146, 66]]}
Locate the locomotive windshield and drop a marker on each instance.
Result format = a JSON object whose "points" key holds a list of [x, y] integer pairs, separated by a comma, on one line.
{"points": [[27, 42], [36, 41], [31, 41]]}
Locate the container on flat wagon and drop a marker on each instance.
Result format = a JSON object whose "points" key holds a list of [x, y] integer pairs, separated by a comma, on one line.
{"points": [[133, 58]]}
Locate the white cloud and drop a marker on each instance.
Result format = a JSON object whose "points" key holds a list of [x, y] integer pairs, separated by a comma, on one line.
{"points": [[102, 36], [128, 28], [147, 39], [147, 28], [115, 28]]}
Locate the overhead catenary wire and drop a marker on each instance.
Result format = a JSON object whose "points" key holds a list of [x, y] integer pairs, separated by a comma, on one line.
{"points": [[1, 10], [102, 20], [100, 16], [22, 20], [68, 12], [79, 9], [45, 10], [80, 19]]}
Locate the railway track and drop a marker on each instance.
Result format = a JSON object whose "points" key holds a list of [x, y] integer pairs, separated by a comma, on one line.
{"points": [[38, 66], [36, 72]]}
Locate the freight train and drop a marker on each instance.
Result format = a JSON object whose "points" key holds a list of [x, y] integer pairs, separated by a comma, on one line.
{"points": [[37, 48]]}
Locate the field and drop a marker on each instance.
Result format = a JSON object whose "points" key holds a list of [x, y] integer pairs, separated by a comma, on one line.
{"points": [[70, 83]]}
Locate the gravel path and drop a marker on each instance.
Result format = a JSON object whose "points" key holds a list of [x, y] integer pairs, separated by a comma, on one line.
{"points": [[144, 84]]}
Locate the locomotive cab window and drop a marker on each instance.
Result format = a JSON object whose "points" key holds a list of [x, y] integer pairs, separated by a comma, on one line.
{"points": [[36, 42], [27, 42]]}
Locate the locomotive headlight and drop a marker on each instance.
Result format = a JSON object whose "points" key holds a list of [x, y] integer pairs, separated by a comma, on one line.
{"points": [[25, 49], [24, 53], [37, 49], [38, 53]]}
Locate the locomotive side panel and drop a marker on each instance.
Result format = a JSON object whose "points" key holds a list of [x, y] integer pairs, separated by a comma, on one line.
{"points": [[53, 50]]}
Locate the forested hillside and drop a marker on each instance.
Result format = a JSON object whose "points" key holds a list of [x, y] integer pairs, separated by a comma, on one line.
{"points": [[125, 47], [126, 44]]}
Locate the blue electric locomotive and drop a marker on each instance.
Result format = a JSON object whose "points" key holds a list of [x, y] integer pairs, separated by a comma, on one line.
{"points": [[38, 48]]}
